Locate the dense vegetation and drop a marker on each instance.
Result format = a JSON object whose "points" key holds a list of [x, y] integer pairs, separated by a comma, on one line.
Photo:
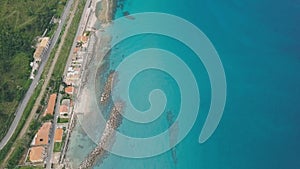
{"points": [[30, 167], [20, 146], [21, 21]]}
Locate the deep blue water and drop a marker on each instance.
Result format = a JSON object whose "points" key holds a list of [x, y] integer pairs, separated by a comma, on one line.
{"points": [[258, 43]]}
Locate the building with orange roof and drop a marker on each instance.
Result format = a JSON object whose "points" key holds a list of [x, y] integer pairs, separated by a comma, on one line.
{"points": [[63, 109], [51, 105], [76, 50], [82, 39], [37, 154], [42, 136], [58, 135], [69, 90]]}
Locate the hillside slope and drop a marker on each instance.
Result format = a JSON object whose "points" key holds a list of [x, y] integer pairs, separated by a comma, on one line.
{"points": [[21, 21]]}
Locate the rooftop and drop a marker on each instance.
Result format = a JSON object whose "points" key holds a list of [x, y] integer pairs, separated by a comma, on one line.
{"points": [[51, 104], [82, 39], [36, 154], [44, 42], [42, 136], [76, 49], [66, 102], [63, 109], [38, 52], [69, 89], [40, 48], [58, 135]]}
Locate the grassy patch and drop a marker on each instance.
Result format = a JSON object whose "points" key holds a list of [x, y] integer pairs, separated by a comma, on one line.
{"points": [[57, 146], [15, 156], [62, 120], [26, 113], [47, 118]]}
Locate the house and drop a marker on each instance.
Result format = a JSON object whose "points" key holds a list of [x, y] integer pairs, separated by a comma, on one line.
{"points": [[70, 69], [41, 47], [72, 78], [37, 154], [51, 104], [63, 109], [69, 90], [66, 102], [76, 49], [43, 44], [58, 135], [77, 69], [42, 136], [82, 39]]}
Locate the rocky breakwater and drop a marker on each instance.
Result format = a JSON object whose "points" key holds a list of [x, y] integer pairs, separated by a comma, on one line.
{"points": [[107, 138], [111, 80]]}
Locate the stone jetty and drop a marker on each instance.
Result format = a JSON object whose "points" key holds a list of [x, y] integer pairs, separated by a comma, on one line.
{"points": [[107, 138]]}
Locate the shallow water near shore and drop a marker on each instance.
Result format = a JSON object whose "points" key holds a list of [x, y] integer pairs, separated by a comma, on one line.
{"points": [[259, 50]]}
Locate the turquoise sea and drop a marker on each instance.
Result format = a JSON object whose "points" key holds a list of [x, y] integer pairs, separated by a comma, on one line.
{"points": [[258, 42]]}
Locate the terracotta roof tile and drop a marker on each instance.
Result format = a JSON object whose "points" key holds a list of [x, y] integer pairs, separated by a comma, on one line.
{"points": [[58, 135], [36, 154], [63, 109], [69, 90], [82, 39], [42, 136], [76, 49], [51, 105]]}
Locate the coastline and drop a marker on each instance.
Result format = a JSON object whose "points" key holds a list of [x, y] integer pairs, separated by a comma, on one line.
{"points": [[84, 104], [107, 138], [213, 154]]}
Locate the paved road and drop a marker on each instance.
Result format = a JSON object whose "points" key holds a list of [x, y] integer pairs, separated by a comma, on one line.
{"points": [[52, 134], [80, 30], [30, 91]]}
